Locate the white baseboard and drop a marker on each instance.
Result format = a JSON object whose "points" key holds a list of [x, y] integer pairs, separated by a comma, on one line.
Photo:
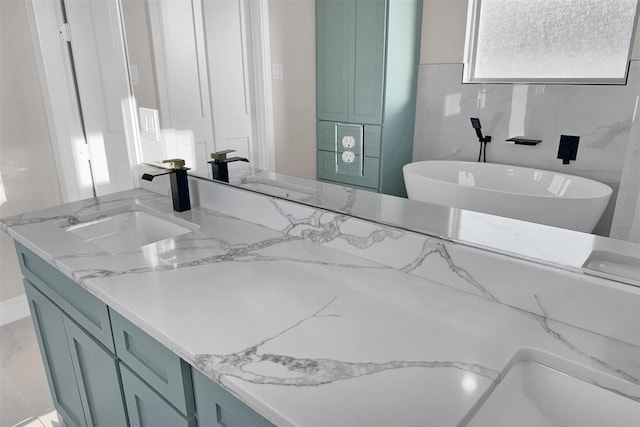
{"points": [[14, 309]]}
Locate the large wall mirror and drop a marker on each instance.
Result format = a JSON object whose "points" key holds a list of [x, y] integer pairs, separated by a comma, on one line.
{"points": [[214, 75]]}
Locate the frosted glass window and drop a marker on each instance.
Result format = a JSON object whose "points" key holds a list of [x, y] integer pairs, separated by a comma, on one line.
{"points": [[582, 41]]}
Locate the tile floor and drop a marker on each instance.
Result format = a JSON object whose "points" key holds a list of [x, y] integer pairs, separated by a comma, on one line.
{"points": [[25, 400]]}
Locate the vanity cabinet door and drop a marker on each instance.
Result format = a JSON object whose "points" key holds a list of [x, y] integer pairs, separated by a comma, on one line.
{"points": [[98, 380], [48, 321], [146, 408]]}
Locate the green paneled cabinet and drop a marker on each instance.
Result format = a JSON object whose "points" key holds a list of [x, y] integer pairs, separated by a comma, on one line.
{"points": [[367, 54], [82, 374], [48, 321], [105, 371]]}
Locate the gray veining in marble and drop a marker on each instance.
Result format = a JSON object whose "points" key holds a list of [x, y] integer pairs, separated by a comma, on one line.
{"points": [[315, 372]]}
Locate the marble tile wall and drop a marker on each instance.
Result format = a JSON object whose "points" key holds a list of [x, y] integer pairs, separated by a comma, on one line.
{"points": [[626, 217], [601, 115], [598, 305]]}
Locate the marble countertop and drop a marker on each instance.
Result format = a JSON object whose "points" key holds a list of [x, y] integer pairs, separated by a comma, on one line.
{"points": [[308, 335], [571, 250]]}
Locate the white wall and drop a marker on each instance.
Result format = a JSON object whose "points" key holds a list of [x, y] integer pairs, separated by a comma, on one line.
{"points": [[626, 218], [26, 158], [140, 51], [443, 31], [293, 44]]}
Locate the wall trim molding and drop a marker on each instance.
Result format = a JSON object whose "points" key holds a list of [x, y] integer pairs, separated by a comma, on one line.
{"points": [[14, 309]]}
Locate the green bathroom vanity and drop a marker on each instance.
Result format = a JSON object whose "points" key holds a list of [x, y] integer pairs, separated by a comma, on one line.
{"points": [[287, 316], [105, 371], [366, 67]]}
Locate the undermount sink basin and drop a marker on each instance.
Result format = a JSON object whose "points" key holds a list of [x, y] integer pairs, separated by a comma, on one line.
{"points": [[125, 231], [532, 394]]}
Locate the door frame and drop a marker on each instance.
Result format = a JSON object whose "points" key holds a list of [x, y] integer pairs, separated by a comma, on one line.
{"points": [[260, 58], [55, 69]]}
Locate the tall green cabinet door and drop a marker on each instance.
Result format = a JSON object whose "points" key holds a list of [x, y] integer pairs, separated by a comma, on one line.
{"points": [[49, 325], [334, 44], [367, 62], [97, 374]]}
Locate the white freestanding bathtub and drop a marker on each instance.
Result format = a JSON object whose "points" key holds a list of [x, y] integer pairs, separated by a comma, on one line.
{"points": [[528, 194]]}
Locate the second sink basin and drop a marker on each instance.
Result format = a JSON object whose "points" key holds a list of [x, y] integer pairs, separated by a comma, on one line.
{"points": [[532, 394], [125, 231]]}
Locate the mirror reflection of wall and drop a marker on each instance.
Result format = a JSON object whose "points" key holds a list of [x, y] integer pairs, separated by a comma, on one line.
{"points": [[194, 62], [602, 116]]}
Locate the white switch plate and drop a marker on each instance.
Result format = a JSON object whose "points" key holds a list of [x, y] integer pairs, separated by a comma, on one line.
{"points": [[149, 124], [277, 72], [133, 73]]}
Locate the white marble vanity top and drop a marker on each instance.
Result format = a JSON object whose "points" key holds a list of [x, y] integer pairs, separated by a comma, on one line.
{"points": [[308, 335]]}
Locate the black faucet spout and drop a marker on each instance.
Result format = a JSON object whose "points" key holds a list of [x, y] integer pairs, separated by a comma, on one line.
{"points": [[179, 181]]}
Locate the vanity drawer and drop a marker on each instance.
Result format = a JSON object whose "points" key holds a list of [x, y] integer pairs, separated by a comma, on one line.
{"points": [[87, 310], [148, 409], [217, 407], [169, 375], [326, 169]]}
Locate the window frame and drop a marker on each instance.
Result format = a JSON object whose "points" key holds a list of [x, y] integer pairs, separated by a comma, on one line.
{"points": [[471, 44]]}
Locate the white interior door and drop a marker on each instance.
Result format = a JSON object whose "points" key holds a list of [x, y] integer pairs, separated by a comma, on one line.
{"points": [[227, 38], [183, 87], [103, 89], [204, 83]]}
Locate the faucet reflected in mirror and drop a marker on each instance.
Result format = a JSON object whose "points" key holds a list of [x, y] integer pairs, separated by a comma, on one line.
{"points": [[220, 164]]}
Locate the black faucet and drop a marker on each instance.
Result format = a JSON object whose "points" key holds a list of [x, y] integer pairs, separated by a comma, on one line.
{"points": [[220, 162], [179, 183]]}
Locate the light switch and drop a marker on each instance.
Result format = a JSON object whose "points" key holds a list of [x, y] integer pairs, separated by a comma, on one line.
{"points": [[149, 124], [133, 74], [277, 72]]}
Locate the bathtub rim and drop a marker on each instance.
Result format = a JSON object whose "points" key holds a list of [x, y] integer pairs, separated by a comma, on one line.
{"points": [[607, 191]]}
